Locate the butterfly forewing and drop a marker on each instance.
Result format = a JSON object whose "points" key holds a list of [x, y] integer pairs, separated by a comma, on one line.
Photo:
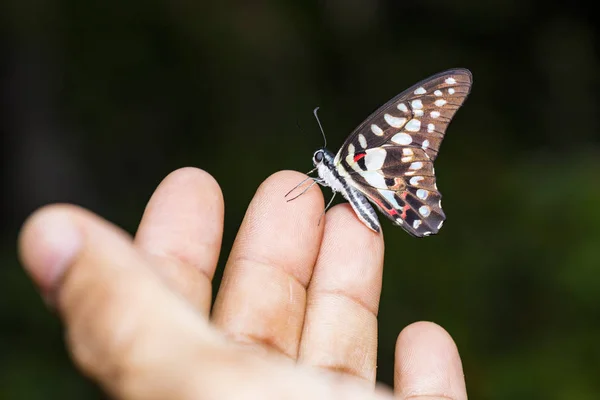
{"points": [[389, 157]]}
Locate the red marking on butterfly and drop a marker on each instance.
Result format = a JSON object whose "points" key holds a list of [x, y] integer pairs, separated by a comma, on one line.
{"points": [[358, 156], [390, 211], [404, 209]]}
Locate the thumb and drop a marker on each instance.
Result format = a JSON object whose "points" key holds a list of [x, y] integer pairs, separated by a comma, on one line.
{"points": [[124, 327]]}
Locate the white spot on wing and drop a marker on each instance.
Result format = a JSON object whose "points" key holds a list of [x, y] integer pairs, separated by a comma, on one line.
{"points": [[389, 195], [417, 104], [350, 157], [413, 125], [435, 114], [424, 211], [440, 224], [425, 144], [450, 81], [422, 194], [402, 107], [416, 165], [394, 121], [430, 128], [451, 91], [440, 102], [407, 152], [418, 113], [402, 138], [362, 140], [420, 90], [438, 93], [415, 180], [376, 130], [417, 223], [375, 158], [426, 233], [374, 179]]}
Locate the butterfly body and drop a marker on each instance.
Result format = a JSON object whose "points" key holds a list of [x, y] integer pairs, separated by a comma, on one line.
{"points": [[388, 159], [334, 177]]}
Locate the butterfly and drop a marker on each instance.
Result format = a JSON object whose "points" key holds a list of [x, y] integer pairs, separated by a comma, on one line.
{"points": [[388, 160]]}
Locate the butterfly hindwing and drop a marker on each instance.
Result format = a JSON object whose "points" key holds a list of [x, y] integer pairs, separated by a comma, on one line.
{"points": [[403, 187], [389, 157]]}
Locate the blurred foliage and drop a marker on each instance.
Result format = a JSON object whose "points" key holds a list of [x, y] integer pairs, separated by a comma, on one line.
{"points": [[100, 100]]}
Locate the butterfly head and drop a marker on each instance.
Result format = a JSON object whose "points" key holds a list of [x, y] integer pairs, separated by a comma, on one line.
{"points": [[322, 157]]}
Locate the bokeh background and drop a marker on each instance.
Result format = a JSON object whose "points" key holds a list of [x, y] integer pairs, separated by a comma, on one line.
{"points": [[100, 100]]}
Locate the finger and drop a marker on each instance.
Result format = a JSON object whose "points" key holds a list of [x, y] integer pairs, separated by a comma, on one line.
{"points": [[262, 296], [182, 229], [428, 365], [137, 338], [340, 329]]}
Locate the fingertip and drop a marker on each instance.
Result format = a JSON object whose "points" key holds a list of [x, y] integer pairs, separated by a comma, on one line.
{"points": [[287, 174], [183, 218], [430, 330], [284, 181], [184, 190], [428, 363], [272, 210], [193, 179], [277, 230], [48, 242]]}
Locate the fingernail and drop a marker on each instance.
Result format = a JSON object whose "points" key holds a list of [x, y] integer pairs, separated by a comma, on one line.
{"points": [[50, 245]]}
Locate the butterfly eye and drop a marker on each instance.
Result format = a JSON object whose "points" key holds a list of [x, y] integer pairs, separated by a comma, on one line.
{"points": [[319, 156]]}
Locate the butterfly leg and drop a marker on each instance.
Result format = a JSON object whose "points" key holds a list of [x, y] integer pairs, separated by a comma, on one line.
{"points": [[304, 191], [300, 184], [327, 207]]}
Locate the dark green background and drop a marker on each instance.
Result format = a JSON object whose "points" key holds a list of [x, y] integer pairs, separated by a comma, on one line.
{"points": [[100, 100]]}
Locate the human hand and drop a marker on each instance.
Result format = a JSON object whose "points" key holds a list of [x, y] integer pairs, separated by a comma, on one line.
{"points": [[297, 299]]}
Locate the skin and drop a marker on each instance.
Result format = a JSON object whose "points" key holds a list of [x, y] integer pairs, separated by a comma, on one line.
{"points": [[295, 316]]}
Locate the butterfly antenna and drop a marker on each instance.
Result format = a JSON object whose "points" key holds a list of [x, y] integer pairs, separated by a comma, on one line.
{"points": [[320, 126]]}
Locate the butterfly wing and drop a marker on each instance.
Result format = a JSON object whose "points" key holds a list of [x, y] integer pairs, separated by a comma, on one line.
{"points": [[389, 157]]}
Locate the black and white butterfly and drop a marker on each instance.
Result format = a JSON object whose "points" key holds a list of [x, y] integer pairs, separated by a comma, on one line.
{"points": [[388, 159]]}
